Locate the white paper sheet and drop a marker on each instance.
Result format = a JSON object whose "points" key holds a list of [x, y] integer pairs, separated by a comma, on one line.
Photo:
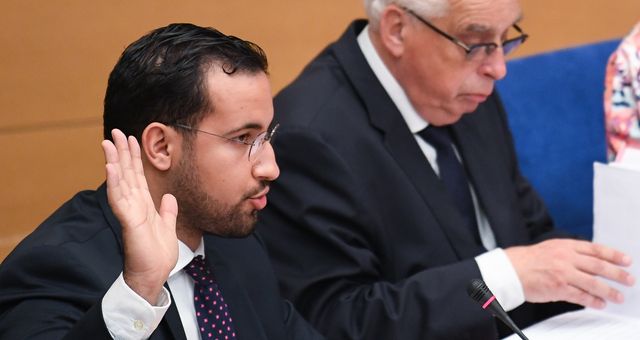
{"points": [[616, 209], [616, 223], [587, 324]]}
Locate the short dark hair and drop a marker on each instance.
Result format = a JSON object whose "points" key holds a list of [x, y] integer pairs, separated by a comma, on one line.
{"points": [[161, 76]]}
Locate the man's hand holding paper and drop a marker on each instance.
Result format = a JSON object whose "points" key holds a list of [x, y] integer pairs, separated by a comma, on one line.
{"points": [[571, 270]]}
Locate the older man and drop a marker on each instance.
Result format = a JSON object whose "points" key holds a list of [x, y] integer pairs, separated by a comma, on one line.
{"points": [[122, 262], [400, 184]]}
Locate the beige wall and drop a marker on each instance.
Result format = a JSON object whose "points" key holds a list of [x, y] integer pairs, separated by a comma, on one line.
{"points": [[56, 56]]}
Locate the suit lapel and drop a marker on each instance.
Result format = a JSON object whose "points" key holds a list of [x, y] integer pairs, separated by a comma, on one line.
{"points": [[109, 216], [404, 149], [246, 321], [486, 171], [401, 143], [172, 321]]}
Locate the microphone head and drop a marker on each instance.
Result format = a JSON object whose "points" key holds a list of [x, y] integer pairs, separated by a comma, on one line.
{"points": [[479, 291]]}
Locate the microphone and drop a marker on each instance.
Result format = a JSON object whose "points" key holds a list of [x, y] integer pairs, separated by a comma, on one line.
{"points": [[479, 291]]}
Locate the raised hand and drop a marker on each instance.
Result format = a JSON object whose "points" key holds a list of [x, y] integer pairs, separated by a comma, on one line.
{"points": [[149, 235], [570, 270]]}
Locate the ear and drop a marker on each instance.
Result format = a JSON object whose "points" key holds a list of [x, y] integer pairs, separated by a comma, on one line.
{"points": [[160, 144], [393, 28]]}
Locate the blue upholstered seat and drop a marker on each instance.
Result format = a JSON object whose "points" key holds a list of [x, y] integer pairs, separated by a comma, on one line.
{"points": [[554, 103]]}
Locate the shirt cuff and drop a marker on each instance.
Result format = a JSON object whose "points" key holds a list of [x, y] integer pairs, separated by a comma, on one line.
{"points": [[501, 278], [127, 315]]}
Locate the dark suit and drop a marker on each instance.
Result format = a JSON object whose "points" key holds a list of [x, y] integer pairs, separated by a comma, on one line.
{"points": [[52, 284], [358, 226]]}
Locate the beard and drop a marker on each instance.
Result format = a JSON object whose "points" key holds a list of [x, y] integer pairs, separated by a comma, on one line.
{"points": [[198, 210]]}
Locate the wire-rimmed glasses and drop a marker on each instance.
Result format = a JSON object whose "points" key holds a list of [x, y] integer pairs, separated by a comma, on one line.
{"points": [[255, 146], [473, 50]]}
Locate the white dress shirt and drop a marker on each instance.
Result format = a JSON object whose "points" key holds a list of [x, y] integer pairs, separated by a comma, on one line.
{"points": [[495, 267], [129, 316]]}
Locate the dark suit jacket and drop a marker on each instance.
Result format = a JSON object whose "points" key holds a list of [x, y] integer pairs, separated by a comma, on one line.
{"points": [[52, 284], [358, 226]]}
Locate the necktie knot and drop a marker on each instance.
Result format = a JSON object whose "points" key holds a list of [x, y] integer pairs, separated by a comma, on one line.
{"points": [[199, 271], [438, 136]]}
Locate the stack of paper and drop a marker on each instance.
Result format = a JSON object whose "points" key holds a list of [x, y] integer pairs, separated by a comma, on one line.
{"points": [[616, 212], [587, 324], [616, 223]]}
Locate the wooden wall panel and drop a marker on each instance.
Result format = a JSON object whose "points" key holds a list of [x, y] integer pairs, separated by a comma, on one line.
{"points": [[41, 169], [565, 23], [56, 56]]}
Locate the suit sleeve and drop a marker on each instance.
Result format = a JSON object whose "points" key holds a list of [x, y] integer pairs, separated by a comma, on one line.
{"points": [[297, 328], [328, 250], [46, 293]]}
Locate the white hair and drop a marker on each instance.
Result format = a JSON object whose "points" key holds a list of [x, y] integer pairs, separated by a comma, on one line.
{"points": [[427, 8]]}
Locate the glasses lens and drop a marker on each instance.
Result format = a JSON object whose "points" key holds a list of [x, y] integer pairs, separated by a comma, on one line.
{"points": [[258, 143], [256, 146], [475, 52], [510, 45], [480, 51]]}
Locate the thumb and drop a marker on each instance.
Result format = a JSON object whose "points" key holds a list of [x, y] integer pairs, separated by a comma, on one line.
{"points": [[169, 210]]}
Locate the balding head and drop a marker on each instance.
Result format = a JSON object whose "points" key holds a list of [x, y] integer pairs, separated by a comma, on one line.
{"points": [[427, 8]]}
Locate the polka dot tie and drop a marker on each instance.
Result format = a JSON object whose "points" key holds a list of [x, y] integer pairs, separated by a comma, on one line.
{"points": [[213, 314]]}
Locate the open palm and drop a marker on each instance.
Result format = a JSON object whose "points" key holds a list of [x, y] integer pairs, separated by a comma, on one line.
{"points": [[149, 235]]}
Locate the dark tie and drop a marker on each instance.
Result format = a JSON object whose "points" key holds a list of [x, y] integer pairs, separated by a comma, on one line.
{"points": [[452, 174], [214, 317]]}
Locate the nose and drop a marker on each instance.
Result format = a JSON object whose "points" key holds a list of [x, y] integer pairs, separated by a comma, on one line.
{"points": [[495, 65], [265, 167]]}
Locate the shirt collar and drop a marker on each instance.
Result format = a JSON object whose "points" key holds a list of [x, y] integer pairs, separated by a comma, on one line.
{"points": [[415, 122], [185, 255]]}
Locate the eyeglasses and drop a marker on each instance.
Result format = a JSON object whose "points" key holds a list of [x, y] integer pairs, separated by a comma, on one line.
{"points": [[255, 146], [473, 51]]}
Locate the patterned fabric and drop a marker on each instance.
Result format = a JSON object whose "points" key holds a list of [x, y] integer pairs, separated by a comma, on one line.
{"points": [[622, 95], [214, 317]]}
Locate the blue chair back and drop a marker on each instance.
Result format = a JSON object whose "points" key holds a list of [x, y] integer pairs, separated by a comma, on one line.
{"points": [[555, 110]]}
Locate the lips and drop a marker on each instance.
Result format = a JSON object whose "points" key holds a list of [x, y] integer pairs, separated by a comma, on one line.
{"points": [[477, 97], [259, 200], [261, 193]]}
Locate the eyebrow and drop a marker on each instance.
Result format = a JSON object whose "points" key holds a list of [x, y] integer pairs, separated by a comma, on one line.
{"points": [[247, 126], [480, 28]]}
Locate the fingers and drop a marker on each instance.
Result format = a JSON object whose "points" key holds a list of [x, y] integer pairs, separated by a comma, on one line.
{"points": [[597, 267], [136, 163], [595, 287], [112, 171], [123, 167], [124, 156], [594, 261], [110, 152], [603, 261], [113, 183], [125, 164], [603, 252], [581, 297], [572, 271]]}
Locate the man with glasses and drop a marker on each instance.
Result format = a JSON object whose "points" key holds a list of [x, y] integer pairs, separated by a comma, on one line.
{"points": [[400, 184], [165, 249]]}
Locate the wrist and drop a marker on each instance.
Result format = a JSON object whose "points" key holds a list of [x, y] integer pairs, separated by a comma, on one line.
{"points": [[148, 289]]}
